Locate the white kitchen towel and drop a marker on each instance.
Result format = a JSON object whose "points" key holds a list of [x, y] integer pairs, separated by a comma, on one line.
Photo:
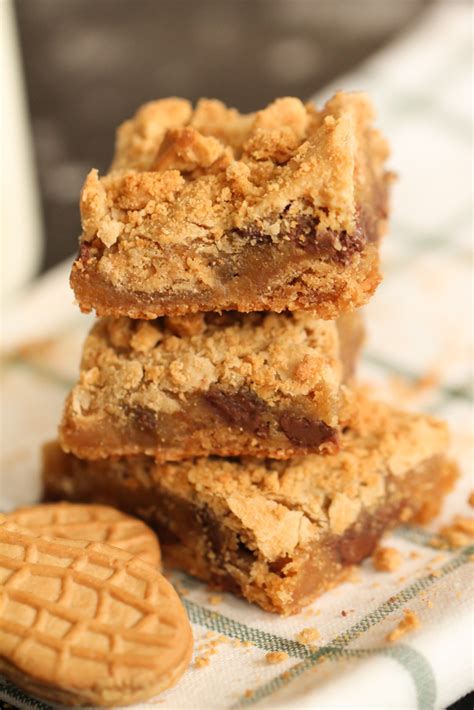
{"points": [[418, 355]]}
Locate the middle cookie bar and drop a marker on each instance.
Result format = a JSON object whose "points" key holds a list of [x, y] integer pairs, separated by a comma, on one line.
{"points": [[260, 384]]}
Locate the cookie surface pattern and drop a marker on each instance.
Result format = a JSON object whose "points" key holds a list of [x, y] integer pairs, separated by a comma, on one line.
{"points": [[85, 623], [97, 523]]}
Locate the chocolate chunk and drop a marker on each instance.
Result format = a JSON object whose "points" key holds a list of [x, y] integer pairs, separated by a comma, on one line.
{"points": [[278, 565], [242, 409], [212, 530], [84, 252], [350, 244], [303, 431], [90, 250], [143, 418], [302, 230]]}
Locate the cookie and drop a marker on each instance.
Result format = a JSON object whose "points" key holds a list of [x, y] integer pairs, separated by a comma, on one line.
{"points": [[97, 523], [85, 623]]}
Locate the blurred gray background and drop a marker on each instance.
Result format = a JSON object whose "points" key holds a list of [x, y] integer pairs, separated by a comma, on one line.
{"points": [[90, 63]]}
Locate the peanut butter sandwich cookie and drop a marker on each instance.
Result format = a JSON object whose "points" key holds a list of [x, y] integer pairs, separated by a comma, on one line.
{"points": [[97, 523], [84, 623]]}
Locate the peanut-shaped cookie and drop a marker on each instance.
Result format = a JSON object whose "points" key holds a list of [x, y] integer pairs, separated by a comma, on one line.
{"points": [[85, 623], [97, 523]]}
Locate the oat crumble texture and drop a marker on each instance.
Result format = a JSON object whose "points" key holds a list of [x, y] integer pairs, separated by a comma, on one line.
{"points": [[207, 209]]}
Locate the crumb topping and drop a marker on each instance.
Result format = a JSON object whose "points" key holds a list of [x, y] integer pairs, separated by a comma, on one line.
{"points": [[199, 179]]}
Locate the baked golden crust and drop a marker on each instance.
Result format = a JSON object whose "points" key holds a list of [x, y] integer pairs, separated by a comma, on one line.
{"points": [[263, 384], [195, 199], [257, 526]]}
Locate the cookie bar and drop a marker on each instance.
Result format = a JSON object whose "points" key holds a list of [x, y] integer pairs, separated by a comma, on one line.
{"points": [[259, 384], [212, 210], [278, 533]]}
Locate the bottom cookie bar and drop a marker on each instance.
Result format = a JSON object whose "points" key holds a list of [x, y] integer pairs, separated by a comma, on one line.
{"points": [[278, 533]]}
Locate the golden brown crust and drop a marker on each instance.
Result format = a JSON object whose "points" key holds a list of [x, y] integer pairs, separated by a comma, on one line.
{"points": [[187, 188]]}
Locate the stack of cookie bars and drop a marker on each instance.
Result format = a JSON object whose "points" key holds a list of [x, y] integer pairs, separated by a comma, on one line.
{"points": [[225, 256]]}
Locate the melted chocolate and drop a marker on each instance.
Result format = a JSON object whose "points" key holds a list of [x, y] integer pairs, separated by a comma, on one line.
{"points": [[303, 431], [243, 409]]}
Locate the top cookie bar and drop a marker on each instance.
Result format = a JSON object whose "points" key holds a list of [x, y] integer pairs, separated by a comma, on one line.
{"points": [[211, 210]]}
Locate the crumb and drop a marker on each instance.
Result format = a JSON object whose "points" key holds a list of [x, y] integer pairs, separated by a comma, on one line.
{"points": [[237, 643], [410, 622], [354, 575], [214, 599], [201, 662], [465, 524], [459, 533], [470, 499], [248, 693], [407, 390], [276, 657], [312, 612], [307, 635], [429, 604], [386, 559], [429, 380], [414, 555]]}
